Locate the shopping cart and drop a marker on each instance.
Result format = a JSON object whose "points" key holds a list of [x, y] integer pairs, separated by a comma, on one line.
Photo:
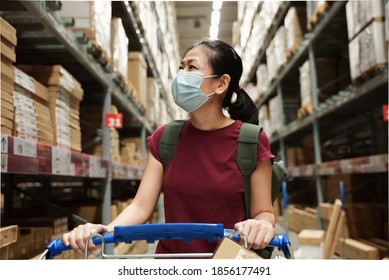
{"points": [[154, 232]]}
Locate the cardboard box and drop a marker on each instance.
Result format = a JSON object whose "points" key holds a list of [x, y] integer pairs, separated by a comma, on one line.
{"points": [[361, 13], [294, 23], [7, 84], [6, 113], [119, 48], [93, 17], [7, 123], [349, 248], [41, 237], [8, 235], [6, 96], [53, 77], [229, 249], [7, 32], [137, 74], [7, 53], [58, 224], [22, 248], [368, 49], [7, 131], [7, 70], [7, 105]]}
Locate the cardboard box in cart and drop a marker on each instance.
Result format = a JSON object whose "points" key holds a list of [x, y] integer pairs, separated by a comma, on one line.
{"points": [[230, 249]]}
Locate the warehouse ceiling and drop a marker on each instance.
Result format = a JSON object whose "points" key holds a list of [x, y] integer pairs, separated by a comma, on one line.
{"points": [[194, 20]]}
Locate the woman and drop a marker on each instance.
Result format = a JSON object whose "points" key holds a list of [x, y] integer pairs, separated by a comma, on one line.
{"points": [[202, 183]]}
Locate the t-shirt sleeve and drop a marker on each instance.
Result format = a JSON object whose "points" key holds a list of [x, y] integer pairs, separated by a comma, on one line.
{"points": [[153, 141], [264, 152]]}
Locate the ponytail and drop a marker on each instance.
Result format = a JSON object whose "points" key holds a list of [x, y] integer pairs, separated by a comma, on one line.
{"points": [[243, 108]]}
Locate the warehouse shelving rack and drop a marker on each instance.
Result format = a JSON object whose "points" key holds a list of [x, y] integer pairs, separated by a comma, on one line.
{"points": [[357, 99], [57, 44]]}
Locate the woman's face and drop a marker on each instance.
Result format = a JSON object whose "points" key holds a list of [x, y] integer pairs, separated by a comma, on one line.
{"points": [[196, 61]]}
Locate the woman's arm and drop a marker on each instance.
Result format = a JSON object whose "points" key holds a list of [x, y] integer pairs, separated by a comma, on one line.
{"points": [[259, 229], [138, 212], [144, 203]]}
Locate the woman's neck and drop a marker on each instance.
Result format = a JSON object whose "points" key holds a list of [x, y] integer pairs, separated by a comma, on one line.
{"points": [[209, 120]]}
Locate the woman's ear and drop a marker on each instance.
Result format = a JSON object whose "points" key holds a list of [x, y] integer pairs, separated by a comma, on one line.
{"points": [[224, 83]]}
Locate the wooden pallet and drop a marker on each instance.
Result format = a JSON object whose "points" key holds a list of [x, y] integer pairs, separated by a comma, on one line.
{"points": [[305, 110], [119, 78], [368, 74], [317, 14], [292, 50], [94, 48]]}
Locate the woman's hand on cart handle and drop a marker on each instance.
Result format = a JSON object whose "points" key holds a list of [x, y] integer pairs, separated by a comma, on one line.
{"points": [[259, 233], [78, 236]]}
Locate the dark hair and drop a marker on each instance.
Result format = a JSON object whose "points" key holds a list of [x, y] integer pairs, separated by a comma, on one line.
{"points": [[224, 60]]}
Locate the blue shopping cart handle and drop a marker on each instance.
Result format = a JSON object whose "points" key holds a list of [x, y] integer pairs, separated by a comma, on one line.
{"points": [[172, 231], [56, 246]]}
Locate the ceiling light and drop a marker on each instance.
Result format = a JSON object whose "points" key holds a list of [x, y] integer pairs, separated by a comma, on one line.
{"points": [[214, 31], [215, 17], [217, 5]]}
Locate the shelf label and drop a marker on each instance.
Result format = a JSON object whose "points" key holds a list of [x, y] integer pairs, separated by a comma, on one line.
{"points": [[114, 120], [4, 144], [385, 112], [4, 163], [25, 148], [61, 161]]}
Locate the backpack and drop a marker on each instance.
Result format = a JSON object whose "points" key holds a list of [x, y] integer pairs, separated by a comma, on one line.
{"points": [[246, 160]]}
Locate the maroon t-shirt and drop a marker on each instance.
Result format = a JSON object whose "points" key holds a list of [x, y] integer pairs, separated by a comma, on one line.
{"points": [[202, 183]]}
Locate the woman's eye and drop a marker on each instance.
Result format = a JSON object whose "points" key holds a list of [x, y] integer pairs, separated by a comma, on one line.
{"points": [[191, 67]]}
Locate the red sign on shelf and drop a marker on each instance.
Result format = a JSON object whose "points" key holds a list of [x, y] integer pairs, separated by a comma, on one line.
{"points": [[114, 120], [385, 112]]}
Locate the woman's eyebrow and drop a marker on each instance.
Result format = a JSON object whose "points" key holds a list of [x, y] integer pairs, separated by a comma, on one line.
{"points": [[188, 61]]}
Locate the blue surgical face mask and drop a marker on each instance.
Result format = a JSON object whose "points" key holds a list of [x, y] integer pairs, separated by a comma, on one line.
{"points": [[186, 90]]}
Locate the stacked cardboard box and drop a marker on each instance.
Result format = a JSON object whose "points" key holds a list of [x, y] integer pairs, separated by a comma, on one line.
{"points": [[152, 100], [295, 24], [305, 86], [114, 148], [65, 94], [31, 241], [32, 113], [262, 79], [131, 155], [93, 116], [8, 236], [137, 77], [275, 114], [368, 50], [8, 57], [361, 13], [94, 18], [280, 47], [331, 79], [264, 118], [318, 9], [119, 49], [366, 33]]}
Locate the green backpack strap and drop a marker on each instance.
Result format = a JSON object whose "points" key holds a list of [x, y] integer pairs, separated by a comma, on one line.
{"points": [[247, 158], [169, 139], [247, 162]]}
